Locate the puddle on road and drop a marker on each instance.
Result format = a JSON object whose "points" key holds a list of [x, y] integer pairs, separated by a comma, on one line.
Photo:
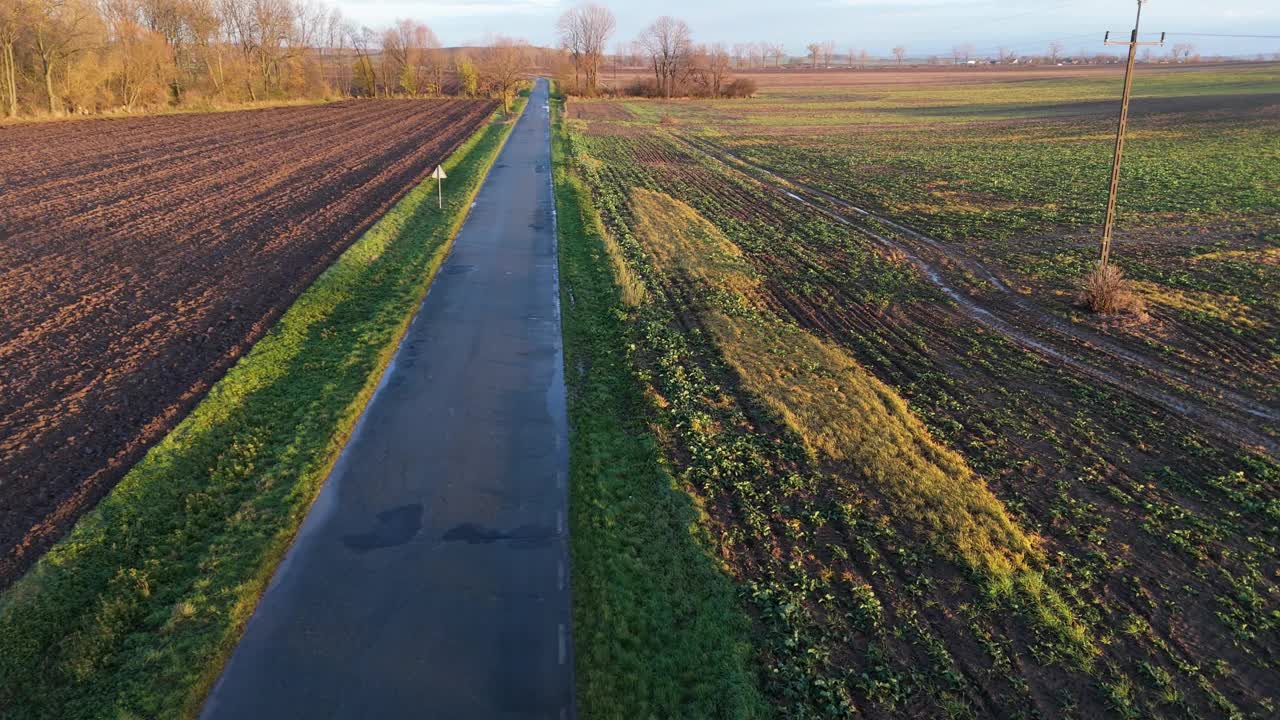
{"points": [[394, 527], [474, 534]]}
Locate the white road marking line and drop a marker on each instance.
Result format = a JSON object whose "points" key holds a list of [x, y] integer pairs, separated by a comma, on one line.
{"points": [[560, 631], [559, 522], [560, 575]]}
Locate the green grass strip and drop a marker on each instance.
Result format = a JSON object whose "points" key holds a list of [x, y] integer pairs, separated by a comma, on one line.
{"points": [[134, 613], [658, 630]]}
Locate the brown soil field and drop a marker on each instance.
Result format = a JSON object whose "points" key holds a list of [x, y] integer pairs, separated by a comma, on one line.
{"points": [[841, 77], [141, 257]]}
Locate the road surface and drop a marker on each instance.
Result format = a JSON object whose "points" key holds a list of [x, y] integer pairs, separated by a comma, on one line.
{"points": [[430, 579]]}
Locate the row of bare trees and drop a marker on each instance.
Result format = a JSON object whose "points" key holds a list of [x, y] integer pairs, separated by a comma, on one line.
{"points": [[679, 66], [584, 35], [749, 56], [682, 67], [84, 56]]}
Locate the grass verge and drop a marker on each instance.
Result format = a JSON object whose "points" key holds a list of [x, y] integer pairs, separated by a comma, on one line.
{"points": [[658, 630], [134, 613]]}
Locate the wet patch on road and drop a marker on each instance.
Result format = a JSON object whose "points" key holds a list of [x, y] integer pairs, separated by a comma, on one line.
{"points": [[473, 534], [394, 527]]}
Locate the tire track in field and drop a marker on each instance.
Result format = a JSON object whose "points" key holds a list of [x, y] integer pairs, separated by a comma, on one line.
{"points": [[1233, 417]]}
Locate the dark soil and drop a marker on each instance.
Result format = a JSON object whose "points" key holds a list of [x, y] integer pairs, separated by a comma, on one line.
{"points": [[140, 258]]}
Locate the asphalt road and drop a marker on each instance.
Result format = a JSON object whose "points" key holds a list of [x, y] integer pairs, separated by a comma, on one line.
{"points": [[430, 579]]}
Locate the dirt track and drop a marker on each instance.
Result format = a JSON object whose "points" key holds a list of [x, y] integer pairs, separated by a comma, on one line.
{"points": [[140, 258], [1219, 409]]}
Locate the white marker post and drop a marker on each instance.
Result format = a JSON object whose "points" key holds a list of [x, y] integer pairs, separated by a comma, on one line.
{"points": [[440, 176]]}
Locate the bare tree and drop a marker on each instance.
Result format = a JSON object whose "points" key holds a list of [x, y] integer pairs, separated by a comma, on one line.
{"points": [[777, 51], [1183, 50], [13, 16], [261, 30], [584, 34], [332, 44], [363, 75], [135, 63], [599, 24], [667, 42], [815, 50], [899, 52], [503, 65], [395, 54], [961, 53], [409, 46], [571, 42], [717, 59], [58, 30], [1055, 49], [863, 57]]}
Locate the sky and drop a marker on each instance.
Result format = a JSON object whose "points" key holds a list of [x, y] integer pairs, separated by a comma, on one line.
{"points": [[924, 27]]}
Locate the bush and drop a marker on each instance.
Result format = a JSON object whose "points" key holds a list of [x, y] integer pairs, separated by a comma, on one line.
{"points": [[643, 88], [1107, 292], [668, 120], [740, 88]]}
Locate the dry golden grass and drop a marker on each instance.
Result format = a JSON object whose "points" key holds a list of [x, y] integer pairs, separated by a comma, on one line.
{"points": [[630, 285], [1224, 307], [1267, 256], [843, 412], [840, 410], [1107, 292]]}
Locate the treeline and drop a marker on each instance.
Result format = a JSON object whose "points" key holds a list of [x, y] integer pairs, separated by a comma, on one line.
{"points": [[90, 56], [680, 66]]}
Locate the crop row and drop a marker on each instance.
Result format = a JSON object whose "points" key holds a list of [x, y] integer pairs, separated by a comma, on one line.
{"points": [[1090, 470]]}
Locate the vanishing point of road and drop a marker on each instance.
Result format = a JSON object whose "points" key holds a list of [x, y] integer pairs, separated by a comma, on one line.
{"points": [[430, 579]]}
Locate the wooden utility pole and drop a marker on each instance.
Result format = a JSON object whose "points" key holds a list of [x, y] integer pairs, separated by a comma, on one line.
{"points": [[1120, 129]]}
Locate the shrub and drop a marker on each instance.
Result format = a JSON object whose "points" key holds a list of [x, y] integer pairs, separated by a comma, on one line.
{"points": [[643, 88], [668, 120], [740, 88], [1107, 292]]}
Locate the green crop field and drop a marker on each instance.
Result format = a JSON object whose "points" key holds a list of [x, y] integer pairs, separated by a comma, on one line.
{"points": [[848, 313]]}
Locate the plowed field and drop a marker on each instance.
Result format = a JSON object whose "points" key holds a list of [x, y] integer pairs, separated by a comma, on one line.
{"points": [[140, 258]]}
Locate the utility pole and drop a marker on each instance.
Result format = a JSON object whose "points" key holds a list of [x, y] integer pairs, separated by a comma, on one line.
{"points": [[1120, 129]]}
